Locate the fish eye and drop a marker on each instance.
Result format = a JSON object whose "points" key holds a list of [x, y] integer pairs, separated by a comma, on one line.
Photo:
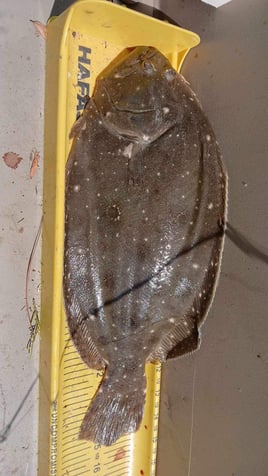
{"points": [[170, 74], [148, 67]]}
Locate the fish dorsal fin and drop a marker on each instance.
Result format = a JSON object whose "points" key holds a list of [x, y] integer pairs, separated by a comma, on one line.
{"points": [[79, 330]]}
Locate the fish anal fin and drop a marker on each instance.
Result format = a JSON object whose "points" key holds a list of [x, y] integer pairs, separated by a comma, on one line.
{"points": [[182, 339], [186, 346], [79, 125]]}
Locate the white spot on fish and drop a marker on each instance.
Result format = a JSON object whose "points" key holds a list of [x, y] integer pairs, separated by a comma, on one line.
{"points": [[165, 110], [195, 265], [127, 152], [77, 188], [171, 320], [210, 206]]}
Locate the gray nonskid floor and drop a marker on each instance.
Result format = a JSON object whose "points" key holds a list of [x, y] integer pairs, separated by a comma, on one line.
{"points": [[213, 403]]}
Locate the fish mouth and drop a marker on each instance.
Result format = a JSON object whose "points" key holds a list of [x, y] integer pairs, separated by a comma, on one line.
{"points": [[116, 106], [126, 133], [116, 129]]}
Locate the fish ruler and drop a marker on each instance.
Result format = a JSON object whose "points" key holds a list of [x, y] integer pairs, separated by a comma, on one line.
{"points": [[81, 42]]}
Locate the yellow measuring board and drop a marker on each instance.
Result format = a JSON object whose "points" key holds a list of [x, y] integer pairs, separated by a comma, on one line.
{"points": [[81, 43]]}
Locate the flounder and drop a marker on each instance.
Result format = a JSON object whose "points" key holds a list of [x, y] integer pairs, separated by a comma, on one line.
{"points": [[144, 225]]}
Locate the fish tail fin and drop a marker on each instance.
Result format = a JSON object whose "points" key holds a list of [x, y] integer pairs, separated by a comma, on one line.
{"points": [[115, 410]]}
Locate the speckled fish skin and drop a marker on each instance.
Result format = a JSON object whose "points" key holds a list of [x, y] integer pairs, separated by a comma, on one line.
{"points": [[144, 225]]}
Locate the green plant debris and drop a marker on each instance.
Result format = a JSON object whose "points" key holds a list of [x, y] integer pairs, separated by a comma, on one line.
{"points": [[34, 327]]}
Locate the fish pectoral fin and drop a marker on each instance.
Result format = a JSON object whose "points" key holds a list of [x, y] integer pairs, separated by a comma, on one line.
{"points": [[183, 339], [79, 125]]}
